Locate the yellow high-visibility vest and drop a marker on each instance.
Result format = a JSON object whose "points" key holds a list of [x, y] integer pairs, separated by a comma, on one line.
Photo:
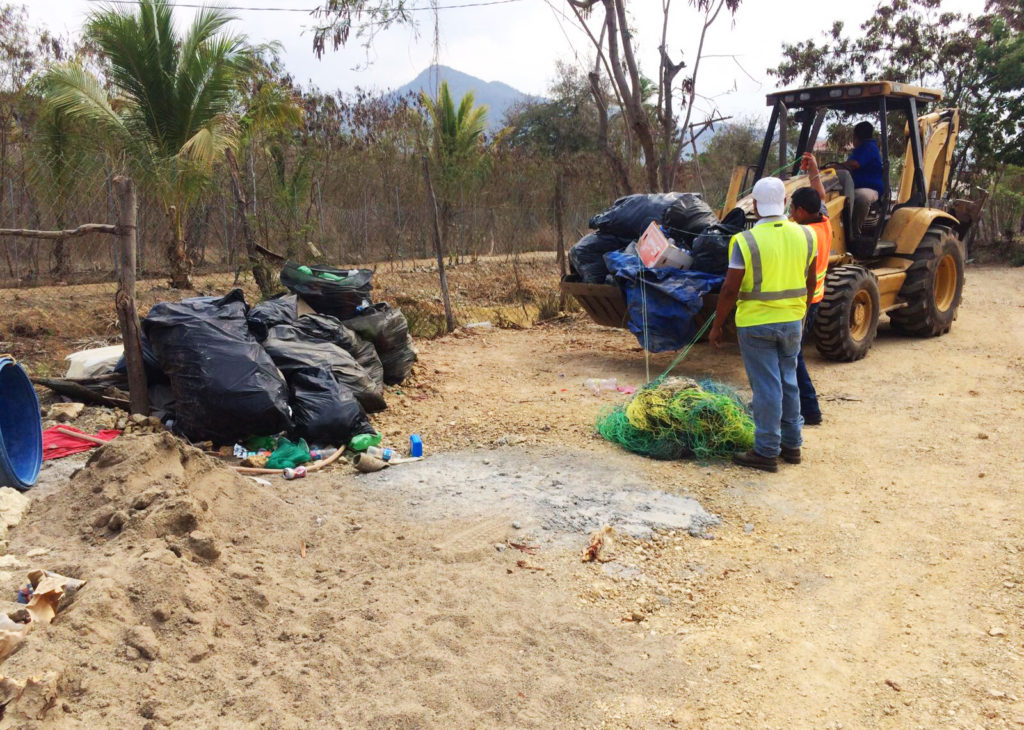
{"points": [[776, 255]]}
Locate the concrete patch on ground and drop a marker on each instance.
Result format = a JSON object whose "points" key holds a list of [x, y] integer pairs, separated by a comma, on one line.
{"points": [[553, 494]]}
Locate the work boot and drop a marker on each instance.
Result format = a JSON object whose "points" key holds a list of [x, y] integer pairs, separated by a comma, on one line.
{"points": [[791, 455], [755, 461], [812, 420]]}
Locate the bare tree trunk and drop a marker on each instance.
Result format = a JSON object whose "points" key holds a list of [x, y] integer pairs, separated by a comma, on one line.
{"points": [[625, 185], [438, 250], [260, 268], [124, 301], [560, 230], [181, 266]]}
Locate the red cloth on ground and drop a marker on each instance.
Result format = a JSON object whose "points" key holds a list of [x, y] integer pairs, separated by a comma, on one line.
{"points": [[57, 445]]}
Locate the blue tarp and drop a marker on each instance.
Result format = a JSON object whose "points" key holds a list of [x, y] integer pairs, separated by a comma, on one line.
{"points": [[673, 297]]}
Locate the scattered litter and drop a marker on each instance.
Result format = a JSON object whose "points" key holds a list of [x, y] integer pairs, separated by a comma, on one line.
{"points": [[478, 326], [367, 463], [288, 454], [531, 549], [93, 362], [627, 389], [596, 385], [602, 543], [298, 472], [379, 452], [261, 482], [526, 566], [61, 441], [363, 441], [415, 446], [51, 594]]}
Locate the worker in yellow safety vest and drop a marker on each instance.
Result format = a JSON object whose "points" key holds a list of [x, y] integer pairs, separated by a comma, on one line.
{"points": [[771, 277]]}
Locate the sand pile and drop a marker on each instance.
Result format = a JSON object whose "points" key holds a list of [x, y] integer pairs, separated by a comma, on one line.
{"points": [[146, 523], [212, 601]]}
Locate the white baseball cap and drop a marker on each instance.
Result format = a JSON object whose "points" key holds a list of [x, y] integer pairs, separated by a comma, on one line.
{"points": [[770, 196]]}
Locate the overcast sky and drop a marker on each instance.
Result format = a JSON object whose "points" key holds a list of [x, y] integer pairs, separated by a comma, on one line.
{"points": [[518, 41]]}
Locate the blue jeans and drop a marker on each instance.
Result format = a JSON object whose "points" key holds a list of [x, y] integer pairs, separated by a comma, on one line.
{"points": [[769, 355], [808, 396]]}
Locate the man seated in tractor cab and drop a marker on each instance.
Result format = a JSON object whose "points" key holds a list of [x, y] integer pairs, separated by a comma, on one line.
{"points": [[861, 175]]}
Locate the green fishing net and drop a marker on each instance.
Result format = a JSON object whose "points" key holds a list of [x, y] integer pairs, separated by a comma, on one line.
{"points": [[674, 418]]}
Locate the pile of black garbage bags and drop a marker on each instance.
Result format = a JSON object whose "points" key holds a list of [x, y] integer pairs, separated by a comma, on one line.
{"points": [[311, 363], [687, 220]]}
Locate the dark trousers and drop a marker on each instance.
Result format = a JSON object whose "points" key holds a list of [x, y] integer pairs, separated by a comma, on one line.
{"points": [[808, 397]]}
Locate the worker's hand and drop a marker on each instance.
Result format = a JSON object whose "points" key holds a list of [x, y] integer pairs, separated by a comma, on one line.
{"points": [[715, 338], [809, 164]]}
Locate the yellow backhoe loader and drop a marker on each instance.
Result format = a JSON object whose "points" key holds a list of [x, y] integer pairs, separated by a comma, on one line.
{"points": [[907, 262]]}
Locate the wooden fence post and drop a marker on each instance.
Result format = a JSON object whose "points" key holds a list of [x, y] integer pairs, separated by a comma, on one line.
{"points": [[432, 201], [124, 301]]}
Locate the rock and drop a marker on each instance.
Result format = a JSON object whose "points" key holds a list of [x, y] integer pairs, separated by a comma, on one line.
{"points": [[500, 546], [748, 528], [996, 631], [12, 506], [983, 436], [11, 561], [37, 552], [64, 412], [144, 640], [139, 419], [516, 526], [203, 545], [117, 521]]}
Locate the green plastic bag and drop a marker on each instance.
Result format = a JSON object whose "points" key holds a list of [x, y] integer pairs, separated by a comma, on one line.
{"points": [[288, 455], [363, 441]]}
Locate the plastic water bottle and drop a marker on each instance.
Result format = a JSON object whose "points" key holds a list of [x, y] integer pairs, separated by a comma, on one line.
{"points": [[298, 472], [318, 454], [380, 452]]}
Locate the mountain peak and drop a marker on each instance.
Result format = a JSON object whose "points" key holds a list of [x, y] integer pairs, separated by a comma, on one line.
{"points": [[496, 95]]}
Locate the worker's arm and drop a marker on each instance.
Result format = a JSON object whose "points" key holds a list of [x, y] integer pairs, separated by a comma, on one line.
{"points": [[810, 164], [726, 301], [850, 165]]}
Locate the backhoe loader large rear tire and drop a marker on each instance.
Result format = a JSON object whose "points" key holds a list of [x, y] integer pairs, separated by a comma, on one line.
{"points": [[847, 319], [932, 289]]}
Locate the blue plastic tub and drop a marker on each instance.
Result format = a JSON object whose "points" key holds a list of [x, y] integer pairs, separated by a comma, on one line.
{"points": [[21, 429]]}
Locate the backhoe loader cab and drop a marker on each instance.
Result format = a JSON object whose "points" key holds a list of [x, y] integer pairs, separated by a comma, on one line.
{"points": [[908, 261]]}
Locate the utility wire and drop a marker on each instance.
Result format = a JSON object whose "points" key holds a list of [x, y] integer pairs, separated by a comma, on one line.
{"points": [[308, 11]]}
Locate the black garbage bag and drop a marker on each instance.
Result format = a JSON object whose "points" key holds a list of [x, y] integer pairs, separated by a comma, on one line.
{"points": [[293, 349], [586, 257], [629, 216], [710, 249], [388, 330], [331, 329], [225, 386], [282, 309], [687, 217], [339, 298], [324, 411]]}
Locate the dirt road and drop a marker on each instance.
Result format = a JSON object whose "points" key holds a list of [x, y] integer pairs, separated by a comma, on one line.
{"points": [[879, 584]]}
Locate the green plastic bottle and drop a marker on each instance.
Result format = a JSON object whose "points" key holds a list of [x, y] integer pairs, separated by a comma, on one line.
{"points": [[363, 441]]}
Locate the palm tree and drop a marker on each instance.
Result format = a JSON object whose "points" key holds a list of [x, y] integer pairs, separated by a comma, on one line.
{"points": [[455, 144], [171, 108]]}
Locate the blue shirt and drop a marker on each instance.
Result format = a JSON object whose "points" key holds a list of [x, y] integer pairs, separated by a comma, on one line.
{"points": [[869, 174]]}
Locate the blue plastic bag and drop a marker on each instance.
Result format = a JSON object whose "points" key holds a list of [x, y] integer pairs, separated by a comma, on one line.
{"points": [[672, 297]]}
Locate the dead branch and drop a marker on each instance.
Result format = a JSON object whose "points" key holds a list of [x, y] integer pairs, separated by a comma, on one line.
{"points": [[83, 230]]}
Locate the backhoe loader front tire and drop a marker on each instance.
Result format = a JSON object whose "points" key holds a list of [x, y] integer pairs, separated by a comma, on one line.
{"points": [[932, 289], [847, 319]]}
